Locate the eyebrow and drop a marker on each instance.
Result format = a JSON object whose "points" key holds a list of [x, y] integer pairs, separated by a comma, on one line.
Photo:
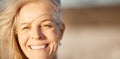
{"points": [[29, 23], [25, 24]]}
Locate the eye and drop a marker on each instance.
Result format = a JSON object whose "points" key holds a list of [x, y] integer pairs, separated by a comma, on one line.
{"points": [[48, 25], [26, 27]]}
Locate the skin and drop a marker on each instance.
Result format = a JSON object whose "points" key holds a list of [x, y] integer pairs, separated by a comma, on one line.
{"points": [[36, 27]]}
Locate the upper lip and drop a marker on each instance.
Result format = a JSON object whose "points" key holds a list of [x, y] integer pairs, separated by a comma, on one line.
{"points": [[38, 43]]}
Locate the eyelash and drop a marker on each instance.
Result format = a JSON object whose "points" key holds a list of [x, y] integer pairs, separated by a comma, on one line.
{"points": [[25, 27], [48, 25]]}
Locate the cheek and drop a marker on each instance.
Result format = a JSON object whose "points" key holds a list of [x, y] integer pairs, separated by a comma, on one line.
{"points": [[51, 35], [53, 38], [22, 38]]}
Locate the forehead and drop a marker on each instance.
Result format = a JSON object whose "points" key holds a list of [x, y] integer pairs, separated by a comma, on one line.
{"points": [[33, 10]]}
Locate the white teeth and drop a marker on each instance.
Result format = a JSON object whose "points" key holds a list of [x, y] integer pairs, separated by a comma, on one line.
{"points": [[38, 47]]}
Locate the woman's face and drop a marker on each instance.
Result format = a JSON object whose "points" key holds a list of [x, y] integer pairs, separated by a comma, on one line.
{"points": [[37, 31]]}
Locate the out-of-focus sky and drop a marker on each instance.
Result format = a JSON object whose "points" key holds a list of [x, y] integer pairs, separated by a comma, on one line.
{"points": [[82, 3]]}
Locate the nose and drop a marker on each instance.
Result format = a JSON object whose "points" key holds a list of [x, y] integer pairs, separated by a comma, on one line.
{"points": [[37, 34]]}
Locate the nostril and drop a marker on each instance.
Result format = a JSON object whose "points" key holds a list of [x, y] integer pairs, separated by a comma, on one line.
{"points": [[41, 35], [37, 34], [37, 38]]}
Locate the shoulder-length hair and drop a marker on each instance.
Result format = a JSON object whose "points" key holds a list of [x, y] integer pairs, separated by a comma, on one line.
{"points": [[9, 46]]}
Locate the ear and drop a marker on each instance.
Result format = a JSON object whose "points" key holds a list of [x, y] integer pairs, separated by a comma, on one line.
{"points": [[62, 29]]}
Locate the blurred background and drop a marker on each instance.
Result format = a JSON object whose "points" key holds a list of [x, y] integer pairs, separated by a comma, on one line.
{"points": [[92, 29]]}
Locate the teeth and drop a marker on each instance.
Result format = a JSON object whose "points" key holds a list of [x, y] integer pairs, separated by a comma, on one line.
{"points": [[38, 47]]}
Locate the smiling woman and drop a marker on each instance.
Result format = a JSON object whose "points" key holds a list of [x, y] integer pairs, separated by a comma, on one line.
{"points": [[30, 29]]}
